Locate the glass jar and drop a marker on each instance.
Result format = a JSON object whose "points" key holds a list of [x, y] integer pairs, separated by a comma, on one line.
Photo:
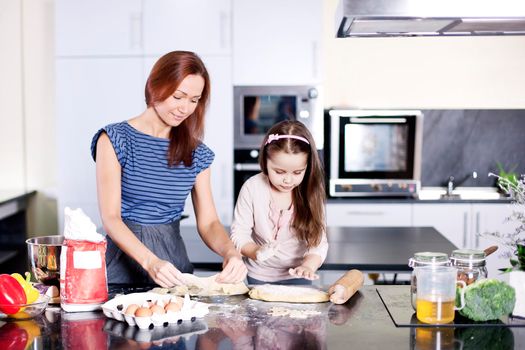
{"points": [[470, 264], [424, 259]]}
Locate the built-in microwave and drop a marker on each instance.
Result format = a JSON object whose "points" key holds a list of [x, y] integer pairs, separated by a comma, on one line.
{"points": [[373, 152], [257, 108]]}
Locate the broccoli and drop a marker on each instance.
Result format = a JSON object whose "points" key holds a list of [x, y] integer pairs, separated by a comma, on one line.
{"points": [[488, 299], [485, 338]]}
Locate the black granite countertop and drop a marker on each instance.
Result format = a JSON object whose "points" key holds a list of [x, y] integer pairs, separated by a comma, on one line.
{"points": [[371, 249], [242, 323]]}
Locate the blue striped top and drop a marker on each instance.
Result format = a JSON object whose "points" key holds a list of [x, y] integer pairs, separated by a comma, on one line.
{"points": [[152, 192]]}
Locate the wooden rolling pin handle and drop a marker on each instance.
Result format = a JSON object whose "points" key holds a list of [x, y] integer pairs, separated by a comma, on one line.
{"points": [[490, 250], [346, 286]]}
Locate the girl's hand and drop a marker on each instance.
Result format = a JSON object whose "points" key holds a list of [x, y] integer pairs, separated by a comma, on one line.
{"points": [[266, 251], [234, 269], [304, 272], [165, 274]]}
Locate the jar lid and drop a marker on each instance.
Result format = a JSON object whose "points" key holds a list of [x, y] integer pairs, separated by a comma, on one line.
{"points": [[431, 257], [471, 255], [428, 258]]}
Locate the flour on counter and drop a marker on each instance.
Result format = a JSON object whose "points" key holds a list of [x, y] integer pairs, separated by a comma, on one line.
{"points": [[293, 313]]}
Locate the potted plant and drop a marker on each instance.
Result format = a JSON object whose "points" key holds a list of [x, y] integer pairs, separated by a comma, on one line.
{"points": [[514, 240]]}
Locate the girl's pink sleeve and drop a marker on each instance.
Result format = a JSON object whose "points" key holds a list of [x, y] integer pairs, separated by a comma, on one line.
{"points": [[321, 249], [243, 219]]}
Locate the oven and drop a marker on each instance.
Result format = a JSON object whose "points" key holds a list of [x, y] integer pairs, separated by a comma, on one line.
{"points": [[257, 109], [373, 152]]}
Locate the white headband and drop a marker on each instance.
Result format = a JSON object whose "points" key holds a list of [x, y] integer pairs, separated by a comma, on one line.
{"points": [[275, 137]]}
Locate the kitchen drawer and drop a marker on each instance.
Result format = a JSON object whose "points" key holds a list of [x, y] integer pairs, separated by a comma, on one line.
{"points": [[347, 214]]}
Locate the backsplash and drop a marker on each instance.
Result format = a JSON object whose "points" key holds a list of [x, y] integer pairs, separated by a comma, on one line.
{"points": [[458, 142]]}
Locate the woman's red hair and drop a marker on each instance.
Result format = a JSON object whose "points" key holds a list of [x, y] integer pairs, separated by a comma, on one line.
{"points": [[165, 77]]}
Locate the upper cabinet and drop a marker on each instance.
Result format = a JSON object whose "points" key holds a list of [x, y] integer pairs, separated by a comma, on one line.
{"points": [[98, 27], [202, 26], [277, 42], [142, 27]]}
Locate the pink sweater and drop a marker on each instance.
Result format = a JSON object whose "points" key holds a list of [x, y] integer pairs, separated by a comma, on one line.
{"points": [[256, 220]]}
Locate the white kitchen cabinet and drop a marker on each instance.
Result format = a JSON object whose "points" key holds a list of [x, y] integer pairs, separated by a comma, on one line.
{"points": [[98, 27], [142, 27], [91, 93], [462, 223], [453, 220], [373, 214], [202, 26], [219, 134], [491, 218], [277, 42]]}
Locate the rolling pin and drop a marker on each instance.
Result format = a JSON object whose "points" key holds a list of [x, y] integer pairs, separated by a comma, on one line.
{"points": [[346, 286]]}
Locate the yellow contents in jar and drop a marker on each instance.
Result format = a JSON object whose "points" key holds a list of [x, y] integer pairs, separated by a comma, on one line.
{"points": [[434, 310]]}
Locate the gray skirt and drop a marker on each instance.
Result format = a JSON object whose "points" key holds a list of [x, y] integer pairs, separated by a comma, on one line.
{"points": [[163, 239]]}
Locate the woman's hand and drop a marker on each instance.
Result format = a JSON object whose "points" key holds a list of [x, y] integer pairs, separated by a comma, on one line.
{"points": [[234, 269], [164, 273], [303, 272]]}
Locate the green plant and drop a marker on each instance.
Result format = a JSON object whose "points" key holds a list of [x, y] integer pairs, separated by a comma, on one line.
{"points": [[515, 240], [488, 299], [511, 175]]}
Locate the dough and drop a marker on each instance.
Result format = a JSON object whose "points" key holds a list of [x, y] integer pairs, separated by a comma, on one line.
{"points": [[282, 311], [289, 294], [204, 286]]}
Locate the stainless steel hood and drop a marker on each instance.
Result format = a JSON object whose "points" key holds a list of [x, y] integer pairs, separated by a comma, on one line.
{"points": [[385, 18]]}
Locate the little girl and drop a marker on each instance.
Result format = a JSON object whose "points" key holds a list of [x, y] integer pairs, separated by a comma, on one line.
{"points": [[279, 221]]}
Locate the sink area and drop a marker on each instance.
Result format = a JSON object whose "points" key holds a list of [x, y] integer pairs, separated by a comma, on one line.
{"points": [[460, 193]]}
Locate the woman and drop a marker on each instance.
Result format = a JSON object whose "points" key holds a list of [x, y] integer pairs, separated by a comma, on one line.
{"points": [[146, 168]]}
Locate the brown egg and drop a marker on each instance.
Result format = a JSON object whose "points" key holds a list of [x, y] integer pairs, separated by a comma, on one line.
{"points": [[143, 312], [131, 309], [157, 309], [173, 307]]}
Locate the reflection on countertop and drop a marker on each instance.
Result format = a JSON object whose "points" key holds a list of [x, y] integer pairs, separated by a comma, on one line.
{"points": [[242, 323]]}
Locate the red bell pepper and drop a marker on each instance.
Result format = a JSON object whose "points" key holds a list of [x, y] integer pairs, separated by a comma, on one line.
{"points": [[12, 294], [12, 337]]}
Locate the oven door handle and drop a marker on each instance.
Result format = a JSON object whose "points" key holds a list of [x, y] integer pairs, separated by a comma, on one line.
{"points": [[247, 166]]}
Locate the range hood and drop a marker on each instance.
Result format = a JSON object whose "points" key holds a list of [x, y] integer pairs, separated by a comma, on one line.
{"points": [[386, 18]]}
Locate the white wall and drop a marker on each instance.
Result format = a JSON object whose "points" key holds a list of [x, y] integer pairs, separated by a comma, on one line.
{"points": [[12, 164], [441, 73], [27, 132]]}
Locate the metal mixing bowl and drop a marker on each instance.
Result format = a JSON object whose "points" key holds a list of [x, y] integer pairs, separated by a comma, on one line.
{"points": [[44, 257]]}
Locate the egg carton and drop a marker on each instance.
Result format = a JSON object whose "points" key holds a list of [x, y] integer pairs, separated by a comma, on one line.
{"points": [[168, 334], [116, 307]]}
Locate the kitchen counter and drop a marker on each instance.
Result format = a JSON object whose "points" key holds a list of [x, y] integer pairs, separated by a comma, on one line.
{"points": [[371, 249], [13, 206], [435, 195], [242, 323], [13, 201]]}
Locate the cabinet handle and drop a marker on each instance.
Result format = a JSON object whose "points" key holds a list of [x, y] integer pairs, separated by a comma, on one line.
{"points": [[314, 59], [477, 229], [465, 222], [369, 213], [135, 24], [223, 30]]}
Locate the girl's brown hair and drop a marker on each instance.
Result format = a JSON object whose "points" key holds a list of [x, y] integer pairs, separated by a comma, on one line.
{"points": [[166, 75], [309, 197]]}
